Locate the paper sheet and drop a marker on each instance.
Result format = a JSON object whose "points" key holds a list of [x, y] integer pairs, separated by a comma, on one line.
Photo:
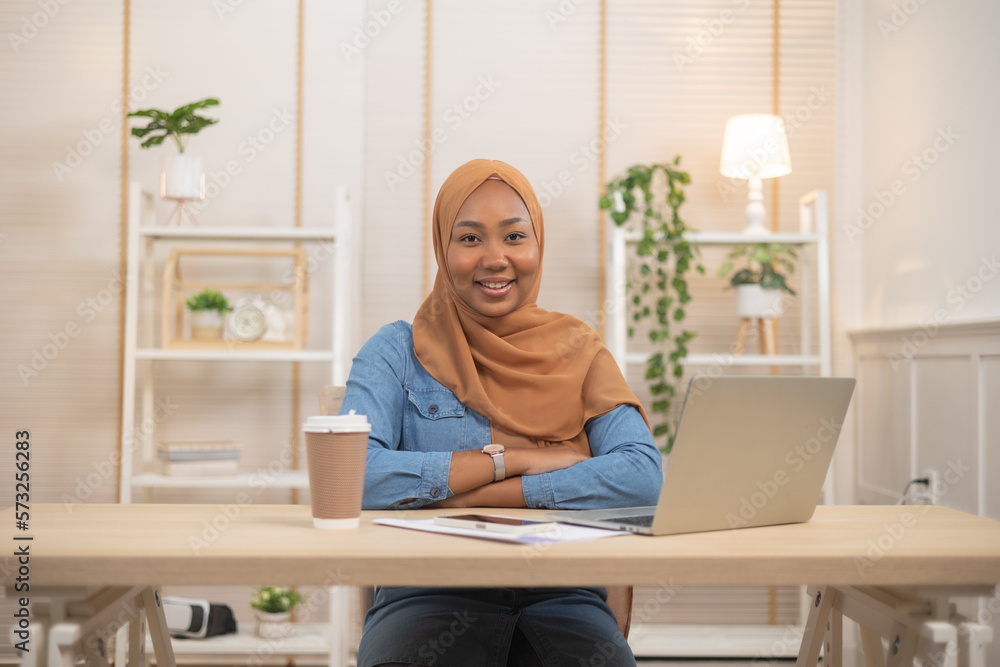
{"points": [[563, 532]]}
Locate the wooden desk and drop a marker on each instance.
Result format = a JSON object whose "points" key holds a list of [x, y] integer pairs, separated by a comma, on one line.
{"points": [[931, 551]]}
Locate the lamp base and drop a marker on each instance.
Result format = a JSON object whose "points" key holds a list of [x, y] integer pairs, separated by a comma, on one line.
{"points": [[755, 208]]}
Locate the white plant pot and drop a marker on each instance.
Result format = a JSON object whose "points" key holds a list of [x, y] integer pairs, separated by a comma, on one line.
{"points": [[182, 177], [206, 325], [755, 301], [274, 626]]}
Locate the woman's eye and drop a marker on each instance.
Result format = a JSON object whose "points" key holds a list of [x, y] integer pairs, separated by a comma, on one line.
{"points": [[515, 236], [468, 238]]}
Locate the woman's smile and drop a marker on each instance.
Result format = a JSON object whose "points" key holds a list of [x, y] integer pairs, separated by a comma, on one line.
{"points": [[493, 255]]}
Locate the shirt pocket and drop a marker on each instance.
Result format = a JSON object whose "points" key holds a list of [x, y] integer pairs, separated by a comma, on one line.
{"points": [[435, 421]]}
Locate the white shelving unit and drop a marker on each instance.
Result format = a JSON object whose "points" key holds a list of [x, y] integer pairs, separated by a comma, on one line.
{"points": [[328, 641], [813, 232], [738, 640]]}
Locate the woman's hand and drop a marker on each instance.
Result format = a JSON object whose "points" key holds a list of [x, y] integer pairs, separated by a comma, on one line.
{"points": [[523, 461], [471, 469], [507, 493]]}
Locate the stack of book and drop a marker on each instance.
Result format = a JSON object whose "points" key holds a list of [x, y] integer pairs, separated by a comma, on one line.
{"points": [[198, 459]]}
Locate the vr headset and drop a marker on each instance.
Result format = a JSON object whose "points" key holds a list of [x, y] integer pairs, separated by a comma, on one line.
{"points": [[188, 618]]}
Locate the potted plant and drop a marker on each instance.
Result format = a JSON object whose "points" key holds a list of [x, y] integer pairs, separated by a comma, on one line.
{"points": [[659, 291], [182, 177], [208, 309], [274, 606], [760, 281]]}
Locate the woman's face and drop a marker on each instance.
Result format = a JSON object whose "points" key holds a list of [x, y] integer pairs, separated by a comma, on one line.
{"points": [[493, 252]]}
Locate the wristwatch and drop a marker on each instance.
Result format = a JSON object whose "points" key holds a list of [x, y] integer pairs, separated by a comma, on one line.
{"points": [[496, 451]]}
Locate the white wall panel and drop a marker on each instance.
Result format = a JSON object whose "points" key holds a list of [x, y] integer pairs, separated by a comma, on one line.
{"points": [[925, 400], [989, 399], [947, 386], [882, 408]]}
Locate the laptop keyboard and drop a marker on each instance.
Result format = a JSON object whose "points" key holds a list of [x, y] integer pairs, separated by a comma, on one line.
{"points": [[642, 520]]}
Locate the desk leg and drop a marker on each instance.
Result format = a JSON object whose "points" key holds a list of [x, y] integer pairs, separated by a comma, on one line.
{"points": [[871, 645], [164, 650], [913, 624], [819, 615], [78, 623], [833, 645]]}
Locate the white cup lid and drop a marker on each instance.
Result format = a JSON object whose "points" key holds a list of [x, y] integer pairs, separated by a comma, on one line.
{"points": [[349, 423]]}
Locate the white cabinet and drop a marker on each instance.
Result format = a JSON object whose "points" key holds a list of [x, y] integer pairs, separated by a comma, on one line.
{"points": [[142, 350]]}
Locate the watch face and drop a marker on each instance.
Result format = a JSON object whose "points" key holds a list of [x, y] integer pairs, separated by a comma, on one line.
{"points": [[248, 322], [493, 449]]}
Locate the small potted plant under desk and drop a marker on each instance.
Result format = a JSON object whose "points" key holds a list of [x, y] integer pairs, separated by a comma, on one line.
{"points": [[208, 311], [274, 606]]}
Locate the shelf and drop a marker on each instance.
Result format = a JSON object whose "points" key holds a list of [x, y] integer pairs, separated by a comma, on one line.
{"points": [[720, 641], [159, 354], [725, 360], [736, 238], [305, 639], [291, 479], [239, 233]]}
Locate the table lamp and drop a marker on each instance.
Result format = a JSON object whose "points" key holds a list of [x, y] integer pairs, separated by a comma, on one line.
{"points": [[754, 148]]}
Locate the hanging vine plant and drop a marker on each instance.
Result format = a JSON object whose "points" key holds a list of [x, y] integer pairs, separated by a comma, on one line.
{"points": [[658, 290]]}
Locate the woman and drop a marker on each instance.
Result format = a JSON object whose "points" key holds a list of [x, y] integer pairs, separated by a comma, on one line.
{"points": [[481, 366]]}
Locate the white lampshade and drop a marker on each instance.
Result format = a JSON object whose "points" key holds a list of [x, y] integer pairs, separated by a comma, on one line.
{"points": [[755, 146]]}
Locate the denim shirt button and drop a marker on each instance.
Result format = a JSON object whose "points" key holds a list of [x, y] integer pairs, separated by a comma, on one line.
{"points": [[435, 492], [433, 409]]}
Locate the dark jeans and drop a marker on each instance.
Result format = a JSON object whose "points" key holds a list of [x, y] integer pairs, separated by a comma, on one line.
{"points": [[492, 627]]}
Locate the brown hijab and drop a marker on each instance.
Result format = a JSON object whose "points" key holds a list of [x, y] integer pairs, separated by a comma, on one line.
{"points": [[538, 376]]}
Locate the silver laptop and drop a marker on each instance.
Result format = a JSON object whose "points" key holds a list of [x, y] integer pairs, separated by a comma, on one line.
{"points": [[749, 451]]}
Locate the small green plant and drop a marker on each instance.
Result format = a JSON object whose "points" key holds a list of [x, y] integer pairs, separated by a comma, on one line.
{"points": [[209, 299], [275, 599], [173, 124], [660, 291], [763, 264]]}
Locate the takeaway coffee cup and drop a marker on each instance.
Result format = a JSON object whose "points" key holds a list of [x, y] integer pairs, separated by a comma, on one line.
{"points": [[335, 452]]}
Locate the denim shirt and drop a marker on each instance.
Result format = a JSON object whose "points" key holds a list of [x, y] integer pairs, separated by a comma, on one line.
{"points": [[417, 423]]}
